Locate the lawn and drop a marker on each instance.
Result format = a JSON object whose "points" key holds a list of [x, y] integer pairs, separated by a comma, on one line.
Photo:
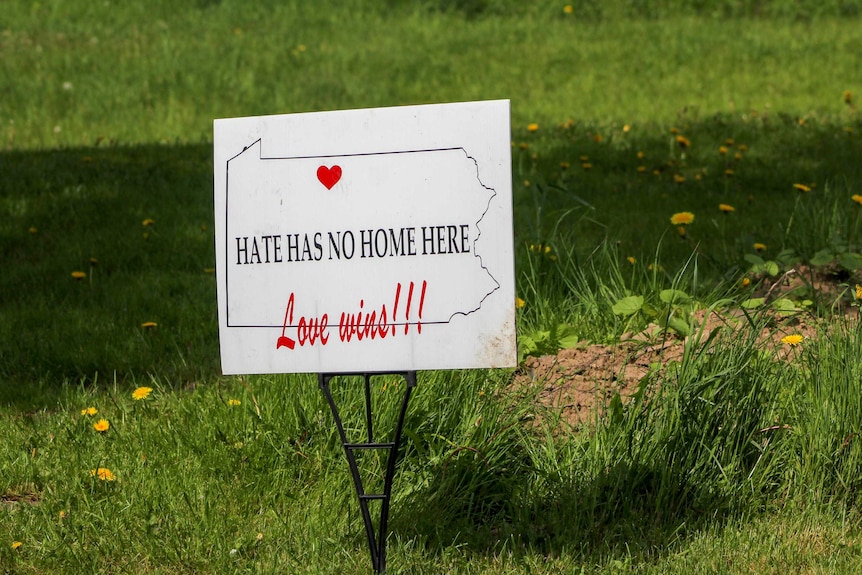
{"points": [[125, 450]]}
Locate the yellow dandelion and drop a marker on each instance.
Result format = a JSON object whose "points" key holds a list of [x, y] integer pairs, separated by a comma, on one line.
{"points": [[682, 218], [62, 514], [642, 169], [742, 148], [586, 165], [682, 141], [802, 187], [523, 145], [858, 291], [519, 303], [79, 275], [641, 155], [792, 340], [729, 141], [16, 544], [722, 150], [759, 247], [679, 179], [598, 138], [103, 473], [141, 393], [848, 97], [674, 131], [32, 229], [532, 127], [737, 156], [746, 282], [526, 183], [728, 172], [856, 198], [234, 402], [568, 9], [102, 426], [149, 324], [148, 222], [726, 208], [631, 260], [627, 129], [89, 411], [565, 165]]}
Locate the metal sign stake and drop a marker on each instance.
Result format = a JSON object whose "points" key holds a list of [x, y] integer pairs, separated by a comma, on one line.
{"points": [[376, 542]]}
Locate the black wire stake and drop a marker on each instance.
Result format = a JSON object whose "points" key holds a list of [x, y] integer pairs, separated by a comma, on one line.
{"points": [[376, 542]]}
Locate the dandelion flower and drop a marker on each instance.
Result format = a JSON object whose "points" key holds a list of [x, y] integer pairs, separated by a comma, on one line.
{"points": [[758, 247], [141, 393], [584, 158], [568, 9], [858, 291], [682, 141], [792, 340], [729, 141], [631, 260], [726, 208], [79, 275], [89, 411], [848, 97], [746, 282], [728, 172], [742, 148], [16, 544], [586, 165], [234, 402], [564, 165], [148, 222], [682, 218], [674, 131], [63, 514], [722, 150], [642, 169], [627, 129], [802, 187], [532, 127], [679, 179], [103, 473], [519, 303], [32, 229], [857, 198], [102, 426], [598, 138], [149, 324], [641, 155]]}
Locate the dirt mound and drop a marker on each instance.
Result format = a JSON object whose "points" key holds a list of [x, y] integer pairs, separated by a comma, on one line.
{"points": [[580, 381]]}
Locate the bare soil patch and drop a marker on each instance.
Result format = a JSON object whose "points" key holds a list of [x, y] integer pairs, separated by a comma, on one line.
{"points": [[580, 381]]}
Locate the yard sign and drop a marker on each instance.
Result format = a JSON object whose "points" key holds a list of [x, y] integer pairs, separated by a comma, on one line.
{"points": [[365, 240]]}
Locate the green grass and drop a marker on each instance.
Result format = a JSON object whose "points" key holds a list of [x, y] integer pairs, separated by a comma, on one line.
{"points": [[728, 461]]}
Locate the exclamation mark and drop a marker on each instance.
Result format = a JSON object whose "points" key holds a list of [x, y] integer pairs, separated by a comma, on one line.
{"points": [[421, 305], [395, 308], [407, 318]]}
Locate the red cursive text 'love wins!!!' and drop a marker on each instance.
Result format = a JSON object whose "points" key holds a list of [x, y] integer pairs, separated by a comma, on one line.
{"points": [[358, 325]]}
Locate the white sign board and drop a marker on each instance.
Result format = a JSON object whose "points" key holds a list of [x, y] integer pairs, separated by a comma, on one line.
{"points": [[365, 240]]}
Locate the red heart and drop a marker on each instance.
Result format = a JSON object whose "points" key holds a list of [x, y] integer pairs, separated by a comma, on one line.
{"points": [[329, 176]]}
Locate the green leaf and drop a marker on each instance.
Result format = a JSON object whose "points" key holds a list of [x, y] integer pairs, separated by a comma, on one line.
{"points": [[850, 261], [628, 305], [569, 341], [784, 306], [674, 296], [822, 258], [771, 268], [753, 303], [754, 259], [680, 326]]}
